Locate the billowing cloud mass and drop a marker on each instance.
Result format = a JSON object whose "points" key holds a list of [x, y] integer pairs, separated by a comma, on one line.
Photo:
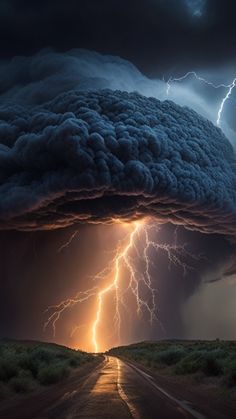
{"points": [[95, 156]]}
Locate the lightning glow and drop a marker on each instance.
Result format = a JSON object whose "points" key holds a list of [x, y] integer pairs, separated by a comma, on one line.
{"points": [[134, 255], [229, 88]]}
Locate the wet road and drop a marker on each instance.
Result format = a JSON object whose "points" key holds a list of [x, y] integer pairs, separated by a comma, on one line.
{"points": [[118, 390], [112, 390]]}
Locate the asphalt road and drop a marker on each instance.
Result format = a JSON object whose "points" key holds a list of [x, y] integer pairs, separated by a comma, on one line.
{"points": [[113, 390]]}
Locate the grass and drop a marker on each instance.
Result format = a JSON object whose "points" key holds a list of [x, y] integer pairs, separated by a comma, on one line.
{"points": [[199, 358], [24, 367]]}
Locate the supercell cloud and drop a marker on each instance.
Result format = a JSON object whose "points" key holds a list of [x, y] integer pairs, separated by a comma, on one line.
{"points": [[95, 156]]}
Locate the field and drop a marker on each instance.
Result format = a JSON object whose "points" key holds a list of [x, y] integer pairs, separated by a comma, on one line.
{"points": [[199, 359], [27, 366]]}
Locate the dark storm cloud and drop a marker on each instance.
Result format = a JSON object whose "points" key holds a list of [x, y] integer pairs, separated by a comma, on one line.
{"points": [[95, 156], [41, 77], [167, 35]]}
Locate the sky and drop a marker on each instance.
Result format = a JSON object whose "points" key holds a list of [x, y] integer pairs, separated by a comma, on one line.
{"points": [[171, 35], [64, 179]]}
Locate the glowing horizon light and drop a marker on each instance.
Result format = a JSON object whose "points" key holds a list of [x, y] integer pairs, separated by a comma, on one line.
{"points": [[126, 256]]}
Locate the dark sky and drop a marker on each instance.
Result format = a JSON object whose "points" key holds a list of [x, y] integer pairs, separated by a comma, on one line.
{"points": [[156, 35], [160, 37]]}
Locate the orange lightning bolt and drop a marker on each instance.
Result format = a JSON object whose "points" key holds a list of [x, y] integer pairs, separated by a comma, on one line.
{"points": [[114, 285], [135, 247]]}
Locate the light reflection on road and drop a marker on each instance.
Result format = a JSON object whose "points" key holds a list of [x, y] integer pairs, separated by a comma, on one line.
{"points": [[122, 393]]}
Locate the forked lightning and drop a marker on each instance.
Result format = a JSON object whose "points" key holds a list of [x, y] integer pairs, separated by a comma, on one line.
{"points": [[132, 254]]}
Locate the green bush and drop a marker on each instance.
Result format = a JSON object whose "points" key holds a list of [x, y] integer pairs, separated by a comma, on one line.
{"points": [[23, 383], [50, 374], [22, 367], [8, 368], [43, 354], [170, 356], [28, 362], [199, 361], [155, 356]]}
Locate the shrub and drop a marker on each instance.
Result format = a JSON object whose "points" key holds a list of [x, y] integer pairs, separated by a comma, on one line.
{"points": [[43, 354], [50, 374], [171, 356], [23, 383], [30, 363], [23, 366], [199, 361], [8, 368]]}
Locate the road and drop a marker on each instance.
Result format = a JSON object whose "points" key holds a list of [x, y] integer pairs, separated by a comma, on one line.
{"points": [[112, 390]]}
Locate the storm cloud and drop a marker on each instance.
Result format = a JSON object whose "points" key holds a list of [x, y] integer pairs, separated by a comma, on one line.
{"points": [[39, 78], [96, 156]]}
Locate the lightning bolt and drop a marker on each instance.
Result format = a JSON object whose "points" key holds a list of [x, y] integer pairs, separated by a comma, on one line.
{"points": [[58, 309], [227, 96], [229, 88], [68, 242], [138, 264]]}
